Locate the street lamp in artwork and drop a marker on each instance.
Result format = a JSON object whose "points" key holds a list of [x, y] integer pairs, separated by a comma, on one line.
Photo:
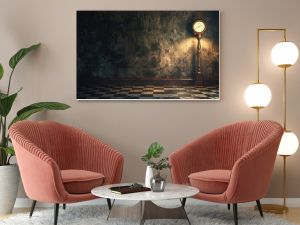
{"points": [[199, 26]]}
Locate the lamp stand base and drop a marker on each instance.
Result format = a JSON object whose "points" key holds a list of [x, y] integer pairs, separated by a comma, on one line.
{"points": [[276, 209]]}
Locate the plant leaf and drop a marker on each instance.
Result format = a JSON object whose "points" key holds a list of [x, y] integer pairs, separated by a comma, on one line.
{"points": [[2, 95], [25, 115], [1, 71], [155, 150], [44, 105], [9, 150], [16, 58], [27, 111], [6, 103], [145, 158]]}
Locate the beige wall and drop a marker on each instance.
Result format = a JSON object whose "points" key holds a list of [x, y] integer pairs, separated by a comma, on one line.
{"points": [[130, 126]]}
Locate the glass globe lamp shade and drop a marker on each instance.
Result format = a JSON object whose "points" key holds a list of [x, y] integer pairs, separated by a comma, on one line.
{"points": [[289, 144], [284, 54], [258, 95]]}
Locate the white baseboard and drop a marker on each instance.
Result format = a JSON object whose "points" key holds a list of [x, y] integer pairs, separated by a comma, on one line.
{"points": [[291, 202]]}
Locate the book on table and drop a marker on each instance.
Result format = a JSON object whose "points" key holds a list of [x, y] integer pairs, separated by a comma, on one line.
{"points": [[129, 189]]}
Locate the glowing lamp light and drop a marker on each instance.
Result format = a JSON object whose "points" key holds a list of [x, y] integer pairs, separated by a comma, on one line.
{"points": [[258, 95], [289, 144], [284, 54]]}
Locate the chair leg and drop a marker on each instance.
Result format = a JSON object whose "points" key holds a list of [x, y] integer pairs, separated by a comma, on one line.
{"points": [[56, 209], [259, 208], [235, 213], [108, 203], [64, 206], [32, 208], [183, 202], [228, 206]]}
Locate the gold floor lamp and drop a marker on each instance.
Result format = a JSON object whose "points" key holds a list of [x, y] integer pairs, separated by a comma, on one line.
{"points": [[258, 95]]}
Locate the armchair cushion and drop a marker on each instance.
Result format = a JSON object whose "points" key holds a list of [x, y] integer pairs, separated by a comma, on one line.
{"points": [[211, 181], [81, 181]]}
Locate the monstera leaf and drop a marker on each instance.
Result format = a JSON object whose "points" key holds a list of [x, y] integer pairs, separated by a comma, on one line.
{"points": [[16, 58], [27, 111]]}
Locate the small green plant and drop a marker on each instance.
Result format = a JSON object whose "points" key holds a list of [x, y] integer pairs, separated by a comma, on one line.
{"points": [[154, 151], [7, 101]]}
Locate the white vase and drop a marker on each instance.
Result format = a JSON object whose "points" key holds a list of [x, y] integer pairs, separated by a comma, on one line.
{"points": [[9, 183], [148, 176]]}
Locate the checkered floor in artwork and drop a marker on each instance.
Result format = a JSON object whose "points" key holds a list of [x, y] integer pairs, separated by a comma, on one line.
{"points": [[148, 92]]}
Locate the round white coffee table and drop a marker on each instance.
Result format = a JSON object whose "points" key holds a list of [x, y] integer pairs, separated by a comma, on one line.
{"points": [[145, 208]]}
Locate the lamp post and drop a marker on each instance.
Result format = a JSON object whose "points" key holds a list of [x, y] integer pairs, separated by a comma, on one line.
{"points": [[258, 95], [199, 26], [284, 55], [199, 76]]}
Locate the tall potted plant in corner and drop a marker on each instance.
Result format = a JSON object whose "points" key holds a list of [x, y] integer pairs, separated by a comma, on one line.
{"points": [[9, 174]]}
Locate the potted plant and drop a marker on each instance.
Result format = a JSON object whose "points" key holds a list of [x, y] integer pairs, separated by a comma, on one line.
{"points": [[156, 182], [9, 173]]}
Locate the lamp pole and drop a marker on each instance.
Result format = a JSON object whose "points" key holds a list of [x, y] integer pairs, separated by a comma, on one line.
{"points": [[284, 182], [270, 207], [199, 77], [284, 55], [284, 126]]}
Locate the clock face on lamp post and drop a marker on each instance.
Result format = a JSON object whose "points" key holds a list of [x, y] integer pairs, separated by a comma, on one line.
{"points": [[199, 27]]}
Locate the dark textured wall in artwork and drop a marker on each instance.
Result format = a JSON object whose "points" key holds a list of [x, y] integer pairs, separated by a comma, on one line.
{"points": [[145, 44]]}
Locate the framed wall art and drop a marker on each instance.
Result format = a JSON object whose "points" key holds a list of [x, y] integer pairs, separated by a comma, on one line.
{"points": [[154, 55]]}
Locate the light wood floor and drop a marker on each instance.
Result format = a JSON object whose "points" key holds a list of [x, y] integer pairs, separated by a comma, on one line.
{"points": [[293, 215]]}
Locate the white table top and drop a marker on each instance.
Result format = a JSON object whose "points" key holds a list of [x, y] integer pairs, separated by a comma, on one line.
{"points": [[172, 191]]}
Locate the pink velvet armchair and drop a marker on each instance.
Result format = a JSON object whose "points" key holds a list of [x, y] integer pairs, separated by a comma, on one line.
{"points": [[231, 165], [60, 164]]}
